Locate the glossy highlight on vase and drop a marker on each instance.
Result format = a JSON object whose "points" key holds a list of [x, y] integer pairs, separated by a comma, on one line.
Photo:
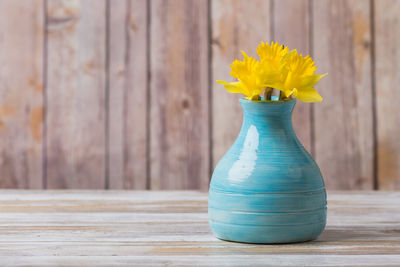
{"points": [[267, 188]]}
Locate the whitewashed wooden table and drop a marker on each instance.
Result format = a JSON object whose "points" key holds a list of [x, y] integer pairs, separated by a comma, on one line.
{"points": [[92, 228]]}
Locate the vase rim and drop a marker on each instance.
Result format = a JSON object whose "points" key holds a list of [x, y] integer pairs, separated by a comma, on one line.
{"points": [[274, 102]]}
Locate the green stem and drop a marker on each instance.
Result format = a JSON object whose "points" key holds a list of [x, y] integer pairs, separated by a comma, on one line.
{"points": [[267, 93], [282, 96]]}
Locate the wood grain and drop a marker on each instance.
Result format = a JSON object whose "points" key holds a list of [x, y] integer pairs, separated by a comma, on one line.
{"points": [[21, 94], [128, 94], [179, 94], [76, 94], [344, 120], [157, 228], [236, 25], [291, 27], [387, 64]]}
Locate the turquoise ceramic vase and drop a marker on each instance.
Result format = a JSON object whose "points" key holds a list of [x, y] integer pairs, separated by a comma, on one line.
{"points": [[267, 188]]}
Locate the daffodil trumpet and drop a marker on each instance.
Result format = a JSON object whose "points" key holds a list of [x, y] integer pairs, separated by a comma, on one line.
{"points": [[277, 68]]}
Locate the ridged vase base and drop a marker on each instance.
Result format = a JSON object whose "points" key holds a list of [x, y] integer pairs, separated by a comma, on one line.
{"points": [[270, 218], [266, 234]]}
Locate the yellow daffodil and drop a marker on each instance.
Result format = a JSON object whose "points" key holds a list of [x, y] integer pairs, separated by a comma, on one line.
{"points": [[246, 72], [271, 61], [298, 78], [278, 68]]}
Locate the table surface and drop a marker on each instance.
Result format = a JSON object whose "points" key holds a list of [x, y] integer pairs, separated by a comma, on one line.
{"points": [[151, 228]]}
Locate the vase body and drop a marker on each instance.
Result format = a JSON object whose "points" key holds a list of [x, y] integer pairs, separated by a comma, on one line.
{"points": [[267, 188]]}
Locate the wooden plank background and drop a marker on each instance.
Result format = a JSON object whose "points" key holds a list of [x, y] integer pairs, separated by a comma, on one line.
{"points": [[343, 122], [127, 94], [75, 93], [179, 95], [120, 94]]}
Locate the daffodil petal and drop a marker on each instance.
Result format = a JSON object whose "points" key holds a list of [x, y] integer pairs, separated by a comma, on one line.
{"points": [[254, 97], [307, 95], [288, 93], [244, 55], [311, 80], [235, 87]]}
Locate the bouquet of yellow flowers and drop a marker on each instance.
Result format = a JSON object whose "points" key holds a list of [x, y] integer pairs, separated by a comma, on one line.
{"points": [[278, 68]]}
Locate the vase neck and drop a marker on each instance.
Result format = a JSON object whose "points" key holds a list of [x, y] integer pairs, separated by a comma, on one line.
{"points": [[276, 114], [267, 109]]}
